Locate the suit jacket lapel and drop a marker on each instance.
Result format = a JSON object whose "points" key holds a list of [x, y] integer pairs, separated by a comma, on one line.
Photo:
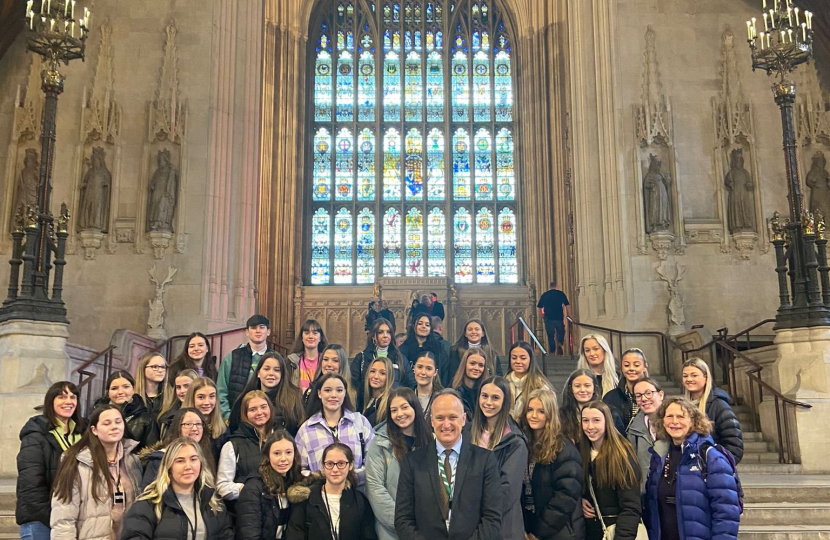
{"points": [[434, 477], [461, 466]]}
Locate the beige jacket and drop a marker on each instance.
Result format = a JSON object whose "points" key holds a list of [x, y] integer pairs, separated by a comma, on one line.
{"points": [[84, 518]]}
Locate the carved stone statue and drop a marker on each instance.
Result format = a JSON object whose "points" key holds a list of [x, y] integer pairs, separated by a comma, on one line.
{"points": [[740, 204], [155, 321], [27, 183], [657, 197], [819, 181], [93, 210], [163, 193], [677, 318]]}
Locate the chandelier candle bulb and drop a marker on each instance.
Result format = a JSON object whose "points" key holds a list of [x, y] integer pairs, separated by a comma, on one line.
{"points": [[766, 23], [804, 31], [790, 34], [765, 4], [48, 6], [73, 9], [772, 18], [66, 8], [797, 23], [790, 15], [748, 31]]}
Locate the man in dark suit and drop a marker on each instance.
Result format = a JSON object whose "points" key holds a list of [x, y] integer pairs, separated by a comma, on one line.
{"points": [[450, 490]]}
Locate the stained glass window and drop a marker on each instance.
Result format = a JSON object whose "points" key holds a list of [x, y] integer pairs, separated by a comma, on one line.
{"points": [[343, 246], [392, 243], [412, 170], [435, 165], [437, 238], [485, 260], [320, 247], [462, 246], [344, 168], [366, 165], [414, 243], [414, 166], [365, 246]]}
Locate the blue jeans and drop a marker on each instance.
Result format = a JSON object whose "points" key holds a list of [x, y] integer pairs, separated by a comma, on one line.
{"points": [[35, 530]]}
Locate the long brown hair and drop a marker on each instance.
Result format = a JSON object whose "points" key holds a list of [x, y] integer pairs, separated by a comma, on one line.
{"points": [[461, 372], [67, 475], [274, 482], [422, 434], [616, 465], [216, 425], [480, 421], [183, 361], [309, 324], [288, 399], [352, 476], [544, 447], [141, 377]]}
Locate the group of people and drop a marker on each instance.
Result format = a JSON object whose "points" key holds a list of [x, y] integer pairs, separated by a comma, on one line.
{"points": [[419, 441]]}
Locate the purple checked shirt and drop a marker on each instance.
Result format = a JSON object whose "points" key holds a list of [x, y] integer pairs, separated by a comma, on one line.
{"points": [[314, 436]]}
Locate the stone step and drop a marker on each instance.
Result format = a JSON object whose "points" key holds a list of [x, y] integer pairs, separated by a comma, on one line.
{"points": [[754, 447], [769, 468], [779, 513], [784, 532], [7, 523], [786, 493], [760, 457]]}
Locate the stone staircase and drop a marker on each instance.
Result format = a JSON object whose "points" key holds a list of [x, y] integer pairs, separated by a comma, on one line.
{"points": [[781, 503], [8, 526]]}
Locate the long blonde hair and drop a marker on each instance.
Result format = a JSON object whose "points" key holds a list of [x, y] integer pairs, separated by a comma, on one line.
{"points": [[215, 422], [141, 378], [610, 379], [380, 404], [157, 488], [704, 368], [544, 447]]}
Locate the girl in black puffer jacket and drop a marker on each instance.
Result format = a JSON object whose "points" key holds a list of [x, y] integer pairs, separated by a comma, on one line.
{"points": [[42, 441], [262, 509], [715, 403], [181, 504], [552, 491]]}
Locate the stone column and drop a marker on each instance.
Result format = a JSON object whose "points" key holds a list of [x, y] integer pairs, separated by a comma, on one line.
{"points": [[32, 357], [803, 372]]}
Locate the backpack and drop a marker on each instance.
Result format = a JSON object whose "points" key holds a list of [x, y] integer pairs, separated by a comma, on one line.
{"points": [[703, 451]]}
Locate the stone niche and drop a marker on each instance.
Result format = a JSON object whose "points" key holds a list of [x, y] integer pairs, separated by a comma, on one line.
{"points": [[342, 310]]}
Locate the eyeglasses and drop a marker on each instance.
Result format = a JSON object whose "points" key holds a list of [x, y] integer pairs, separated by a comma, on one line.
{"points": [[329, 465], [191, 425], [157, 368], [648, 394]]}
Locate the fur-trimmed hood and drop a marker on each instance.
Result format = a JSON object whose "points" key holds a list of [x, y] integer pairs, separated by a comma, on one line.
{"points": [[145, 453], [301, 491]]}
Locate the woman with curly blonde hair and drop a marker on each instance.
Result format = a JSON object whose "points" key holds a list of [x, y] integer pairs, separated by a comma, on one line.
{"points": [[553, 480], [182, 498]]}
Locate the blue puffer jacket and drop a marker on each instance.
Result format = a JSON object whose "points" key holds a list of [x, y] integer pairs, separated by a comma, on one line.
{"points": [[705, 510]]}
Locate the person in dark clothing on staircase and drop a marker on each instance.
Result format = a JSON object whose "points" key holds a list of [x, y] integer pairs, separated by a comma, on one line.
{"points": [[715, 403], [42, 441], [555, 307], [238, 366]]}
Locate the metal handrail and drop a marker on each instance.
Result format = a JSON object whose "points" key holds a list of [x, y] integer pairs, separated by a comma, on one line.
{"points": [[665, 341], [85, 377], [529, 331], [781, 416]]}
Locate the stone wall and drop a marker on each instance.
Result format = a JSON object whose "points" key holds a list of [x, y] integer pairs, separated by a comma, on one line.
{"points": [[183, 78]]}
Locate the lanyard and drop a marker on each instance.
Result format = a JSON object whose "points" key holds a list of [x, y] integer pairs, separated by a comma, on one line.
{"points": [[447, 486], [63, 440], [332, 527], [195, 523]]}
